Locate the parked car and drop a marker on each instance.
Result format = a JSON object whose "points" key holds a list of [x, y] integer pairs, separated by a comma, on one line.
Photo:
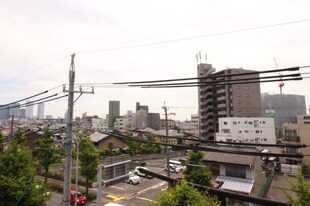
{"points": [[137, 172], [81, 199], [173, 168], [177, 164], [133, 179]]}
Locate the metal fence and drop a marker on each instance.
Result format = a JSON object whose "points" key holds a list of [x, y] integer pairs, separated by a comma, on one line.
{"points": [[263, 191]]}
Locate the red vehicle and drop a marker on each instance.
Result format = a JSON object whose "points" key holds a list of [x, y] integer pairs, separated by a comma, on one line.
{"points": [[81, 199]]}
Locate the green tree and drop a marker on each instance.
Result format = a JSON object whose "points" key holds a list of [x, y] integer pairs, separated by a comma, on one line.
{"points": [[46, 152], [17, 177], [110, 146], [184, 195], [301, 190], [195, 171], [89, 160], [19, 137]]}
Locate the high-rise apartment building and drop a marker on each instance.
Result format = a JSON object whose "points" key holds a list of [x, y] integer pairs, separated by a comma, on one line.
{"points": [[40, 113], [285, 107], [114, 111], [153, 120], [219, 99]]}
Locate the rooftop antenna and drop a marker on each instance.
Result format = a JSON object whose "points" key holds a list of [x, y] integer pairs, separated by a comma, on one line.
{"points": [[281, 84]]}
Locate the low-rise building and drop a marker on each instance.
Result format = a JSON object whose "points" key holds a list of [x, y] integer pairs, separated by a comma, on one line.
{"points": [[102, 140], [247, 129], [237, 173]]}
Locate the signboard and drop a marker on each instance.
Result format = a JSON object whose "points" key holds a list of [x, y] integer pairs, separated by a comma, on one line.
{"points": [[270, 113]]}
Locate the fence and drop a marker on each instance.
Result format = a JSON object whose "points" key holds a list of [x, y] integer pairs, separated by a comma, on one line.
{"points": [[266, 184]]}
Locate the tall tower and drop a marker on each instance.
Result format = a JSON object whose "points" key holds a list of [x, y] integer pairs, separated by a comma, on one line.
{"points": [[114, 111], [41, 111], [29, 111]]}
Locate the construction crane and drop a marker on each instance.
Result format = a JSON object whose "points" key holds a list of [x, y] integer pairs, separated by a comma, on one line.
{"points": [[281, 84]]}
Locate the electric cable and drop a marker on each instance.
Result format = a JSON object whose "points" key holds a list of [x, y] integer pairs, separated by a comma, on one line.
{"points": [[218, 192], [208, 149], [34, 70], [191, 38], [24, 99]]}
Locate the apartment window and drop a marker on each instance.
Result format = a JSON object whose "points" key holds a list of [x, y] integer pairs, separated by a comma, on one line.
{"points": [[247, 102], [246, 87], [225, 123], [234, 123], [250, 122], [238, 102], [238, 94], [248, 110], [237, 87], [257, 131], [234, 171], [246, 95], [265, 140], [264, 122], [226, 130], [246, 131]]}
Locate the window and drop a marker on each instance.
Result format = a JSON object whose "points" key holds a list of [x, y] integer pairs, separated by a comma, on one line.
{"points": [[246, 95], [257, 131], [238, 94], [247, 88], [238, 102], [237, 87], [246, 131], [234, 123], [250, 122], [248, 110], [225, 123], [247, 102], [234, 171]]}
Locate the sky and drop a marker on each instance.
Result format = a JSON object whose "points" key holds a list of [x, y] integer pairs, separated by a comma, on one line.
{"points": [[116, 41]]}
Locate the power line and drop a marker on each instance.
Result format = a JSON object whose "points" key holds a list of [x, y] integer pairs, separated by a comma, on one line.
{"points": [[218, 192], [193, 37], [24, 99], [290, 69], [208, 149], [34, 70]]}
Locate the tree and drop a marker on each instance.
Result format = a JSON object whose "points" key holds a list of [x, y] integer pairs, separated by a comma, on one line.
{"points": [[195, 171], [19, 137], [184, 195], [110, 146], [17, 177], [301, 189], [89, 160], [45, 152]]}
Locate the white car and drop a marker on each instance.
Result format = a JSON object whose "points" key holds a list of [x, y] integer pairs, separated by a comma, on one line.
{"points": [[173, 168], [137, 172], [133, 179]]}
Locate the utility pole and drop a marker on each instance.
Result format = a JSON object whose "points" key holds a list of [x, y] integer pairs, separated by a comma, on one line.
{"points": [[12, 125], [68, 143], [167, 134]]}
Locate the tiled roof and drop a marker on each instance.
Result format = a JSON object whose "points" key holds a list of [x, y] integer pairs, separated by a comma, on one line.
{"points": [[230, 158]]}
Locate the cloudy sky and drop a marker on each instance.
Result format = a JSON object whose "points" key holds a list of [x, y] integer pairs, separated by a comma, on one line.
{"points": [[145, 40]]}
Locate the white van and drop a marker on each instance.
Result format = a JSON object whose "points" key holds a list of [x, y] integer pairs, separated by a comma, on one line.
{"points": [[177, 164]]}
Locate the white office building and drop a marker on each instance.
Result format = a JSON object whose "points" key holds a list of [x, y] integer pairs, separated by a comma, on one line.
{"points": [[29, 111], [40, 113], [247, 129]]}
